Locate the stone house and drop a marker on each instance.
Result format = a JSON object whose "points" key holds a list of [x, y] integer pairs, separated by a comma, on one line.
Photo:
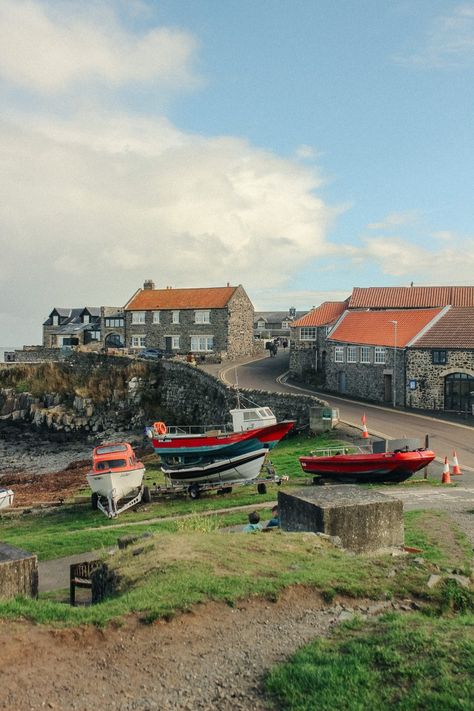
{"points": [[84, 326], [308, 348], [366, 352], [207, 321], [274, 324]]}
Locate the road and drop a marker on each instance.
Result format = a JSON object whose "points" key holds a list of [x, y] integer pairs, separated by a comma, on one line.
{"points": [[444, 436]]}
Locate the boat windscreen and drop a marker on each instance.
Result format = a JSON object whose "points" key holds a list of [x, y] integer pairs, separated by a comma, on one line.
{"points": [[110, 464], [110, 448]]}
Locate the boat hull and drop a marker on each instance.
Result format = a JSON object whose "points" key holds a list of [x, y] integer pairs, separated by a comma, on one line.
{"points": [[244, 467], [387, 466], [6, 498], [116, 484], [223, 446]]}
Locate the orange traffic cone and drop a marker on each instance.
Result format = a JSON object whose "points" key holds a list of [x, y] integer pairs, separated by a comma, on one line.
{"points": [[456, 467], [446, 478], [365, 434]]}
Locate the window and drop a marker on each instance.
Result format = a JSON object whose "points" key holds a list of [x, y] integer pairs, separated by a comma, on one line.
{"points": [[261, 325], [351, 354], [86, 318], [307, 334], [114, 322], [156, 317], [327, 330], [138, 341], [339, 354], [285, 324], [55, 320], [379, 355], [138, 316], [175, 343], [365, 354], [94, 335], [202, 317], [438, 357], [175, 317], [202, 343]]}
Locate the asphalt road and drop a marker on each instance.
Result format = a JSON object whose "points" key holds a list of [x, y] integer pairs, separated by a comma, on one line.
{"points": [[444, 436]]}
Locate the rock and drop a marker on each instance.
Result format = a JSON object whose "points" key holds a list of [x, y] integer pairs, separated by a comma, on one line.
{"points": [[434, 580]]}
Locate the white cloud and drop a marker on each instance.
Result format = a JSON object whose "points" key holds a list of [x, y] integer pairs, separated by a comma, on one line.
{"points": [[48, 53], [449, 42], [395, 220], [98, 203]]}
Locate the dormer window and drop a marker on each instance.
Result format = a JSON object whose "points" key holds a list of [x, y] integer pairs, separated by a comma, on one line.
{"points": [[86, 318], [261, 325], [55, 320]]}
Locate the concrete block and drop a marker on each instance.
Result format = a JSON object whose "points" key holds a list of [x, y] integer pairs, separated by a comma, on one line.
{"points": [[364, 520], [18, 572]]}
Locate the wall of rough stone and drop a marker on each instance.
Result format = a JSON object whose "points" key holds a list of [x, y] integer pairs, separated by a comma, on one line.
{"points": [[240, 341], [175, 392], [430, 378], [39, 355], [18, 572]]}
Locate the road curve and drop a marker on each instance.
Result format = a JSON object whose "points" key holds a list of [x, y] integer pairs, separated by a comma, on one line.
{"points": [[444, 436]]}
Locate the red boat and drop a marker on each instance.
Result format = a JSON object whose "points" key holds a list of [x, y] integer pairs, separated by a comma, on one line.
{"points": [[365, 466]]}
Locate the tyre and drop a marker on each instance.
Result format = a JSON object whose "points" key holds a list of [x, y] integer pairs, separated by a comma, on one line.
{"points": [[146, 495], [194, 491], [94, 501], [262, 488]]}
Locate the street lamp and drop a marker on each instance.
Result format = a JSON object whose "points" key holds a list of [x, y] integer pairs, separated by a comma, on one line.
{"points": [[395, 324]]}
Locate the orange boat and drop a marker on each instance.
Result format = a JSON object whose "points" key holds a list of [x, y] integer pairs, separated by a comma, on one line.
{"points": [[116, 473]]}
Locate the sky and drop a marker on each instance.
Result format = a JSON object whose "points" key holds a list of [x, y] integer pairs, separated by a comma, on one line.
{"points": [[297, 147]]}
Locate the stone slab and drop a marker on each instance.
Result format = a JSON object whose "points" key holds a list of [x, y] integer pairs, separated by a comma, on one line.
{"points": [[365, 520]]}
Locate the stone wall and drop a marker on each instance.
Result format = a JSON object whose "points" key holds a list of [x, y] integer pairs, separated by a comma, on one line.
{"points": [[39, 355], [18, 572], [429, 391], [366, 380], [175, 392], [240, 340]]}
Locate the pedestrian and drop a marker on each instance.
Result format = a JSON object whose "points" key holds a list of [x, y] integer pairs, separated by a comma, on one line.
{"points": [[254, 523], [274, 522]]}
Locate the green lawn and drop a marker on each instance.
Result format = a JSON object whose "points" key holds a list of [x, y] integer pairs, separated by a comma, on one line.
{"points": [[403, 662]]}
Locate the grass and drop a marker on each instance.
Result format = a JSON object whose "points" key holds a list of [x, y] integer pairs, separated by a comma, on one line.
{"points": [[403, 662], [188, 561]]}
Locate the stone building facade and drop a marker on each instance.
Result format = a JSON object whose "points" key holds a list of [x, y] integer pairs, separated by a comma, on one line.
{"points": [[446, 385], [208, 322]]}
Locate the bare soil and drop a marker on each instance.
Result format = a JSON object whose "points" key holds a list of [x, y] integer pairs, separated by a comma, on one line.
{"points": [[33, 489], [214, 657]]}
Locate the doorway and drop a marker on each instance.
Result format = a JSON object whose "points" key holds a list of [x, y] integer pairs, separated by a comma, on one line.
{"points": [[387, 387], [459, 392], [342, 381]]}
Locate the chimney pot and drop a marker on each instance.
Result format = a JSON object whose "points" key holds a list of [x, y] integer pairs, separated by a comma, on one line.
{"points": [[148, 284]]}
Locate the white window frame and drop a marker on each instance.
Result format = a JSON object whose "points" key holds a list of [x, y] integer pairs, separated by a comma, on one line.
{"points": [[327, 330], [200, 344], [339, 354], [308, 333], [86, 318], [175, 343], [138, 340], [285, 325], [365, 354], [156, 316], [202, 316], [95, 335], [351, 354], [261, 325], [138, 317], [379, 357], [175, 317], [55, 320]]}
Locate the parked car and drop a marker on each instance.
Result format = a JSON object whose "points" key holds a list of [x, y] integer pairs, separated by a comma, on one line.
{"points": [[151, 353]]}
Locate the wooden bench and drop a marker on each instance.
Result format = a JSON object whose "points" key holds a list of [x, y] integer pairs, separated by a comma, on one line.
{"points": [[80, 576]]}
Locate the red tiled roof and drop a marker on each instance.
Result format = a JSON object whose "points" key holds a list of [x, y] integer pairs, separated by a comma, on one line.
{"points": [[204, 298], [453, 330], [411, 297], [376, 328], [327, 313]]}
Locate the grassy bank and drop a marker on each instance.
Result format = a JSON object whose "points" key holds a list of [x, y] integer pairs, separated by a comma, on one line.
{"points": [[403, 662]]}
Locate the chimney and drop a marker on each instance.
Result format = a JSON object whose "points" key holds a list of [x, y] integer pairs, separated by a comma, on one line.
{"points": [[149, 284]]}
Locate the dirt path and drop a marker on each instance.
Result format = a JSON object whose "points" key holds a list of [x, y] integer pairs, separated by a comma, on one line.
{"points": [[214, 657]]}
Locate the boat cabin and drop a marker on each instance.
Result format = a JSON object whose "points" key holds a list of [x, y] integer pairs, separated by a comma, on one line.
{"points": [[251, 418], [113, 456]]}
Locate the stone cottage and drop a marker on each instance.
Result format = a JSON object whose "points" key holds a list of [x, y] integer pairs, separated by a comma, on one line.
{"points": [[84, 326], [215, 321], [308, 338]]}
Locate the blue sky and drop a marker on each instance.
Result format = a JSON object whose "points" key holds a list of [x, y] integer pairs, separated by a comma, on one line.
{"points": [[299, 148]]}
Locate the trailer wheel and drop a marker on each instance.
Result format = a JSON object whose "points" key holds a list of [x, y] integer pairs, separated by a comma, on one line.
{"points": [[227, 490], [146, 495], [262, 488], [194, 491], [94, 501]]}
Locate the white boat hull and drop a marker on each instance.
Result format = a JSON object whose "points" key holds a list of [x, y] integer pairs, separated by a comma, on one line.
{"points": [[245, 467], [6, 498], [116, 485]]}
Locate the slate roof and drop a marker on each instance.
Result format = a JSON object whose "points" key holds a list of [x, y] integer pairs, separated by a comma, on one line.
{"points": [[411, 297], [73, 315], [327, 313], [202, 298], [453, 330], [275, 316], [376, 328]]}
